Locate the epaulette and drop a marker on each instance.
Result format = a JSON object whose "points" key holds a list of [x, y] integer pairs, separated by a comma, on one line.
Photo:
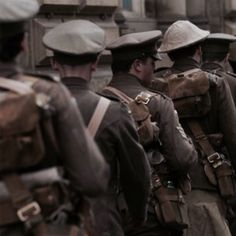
{"points": [[163, 95], [42, 75], [231, 73], [109, 96]]}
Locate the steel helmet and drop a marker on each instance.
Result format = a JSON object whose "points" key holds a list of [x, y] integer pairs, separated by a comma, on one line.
{"points": [[182, 34]]}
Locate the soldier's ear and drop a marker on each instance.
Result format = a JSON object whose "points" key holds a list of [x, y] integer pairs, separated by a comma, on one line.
{"points": [[94, 65], [24, 43], [137, 65], [227, 57], [53, 63]]}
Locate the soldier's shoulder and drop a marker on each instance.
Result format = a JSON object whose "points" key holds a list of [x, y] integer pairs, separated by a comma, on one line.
{"points": [[231, 74], [159, 96], [162, 72], [215, 78], [49, 77]]}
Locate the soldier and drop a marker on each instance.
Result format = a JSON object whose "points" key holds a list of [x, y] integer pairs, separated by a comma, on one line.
{"points": [[215, 55], [76, 57], [170, 152], [207, 113], [34, 199]]}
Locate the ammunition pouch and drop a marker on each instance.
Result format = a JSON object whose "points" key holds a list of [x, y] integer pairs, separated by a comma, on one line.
{"points": [[218, 169], [221, 173], [226, 180], [169, 205]]}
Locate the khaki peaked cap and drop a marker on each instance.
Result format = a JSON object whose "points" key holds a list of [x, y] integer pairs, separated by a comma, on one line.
{"points": [[135, 45], [218, 43], [17, 10], [76, 37], [14, 13], [182, 34], [221, 37]]}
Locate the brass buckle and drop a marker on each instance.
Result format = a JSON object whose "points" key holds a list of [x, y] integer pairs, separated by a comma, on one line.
{"points": [[215, 159], [31, 209], [156, 181], [143, 98]]}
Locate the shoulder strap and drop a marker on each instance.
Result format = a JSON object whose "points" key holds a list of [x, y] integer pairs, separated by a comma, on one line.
{"points": [[119, 93], [15, 86], [98, 115]]}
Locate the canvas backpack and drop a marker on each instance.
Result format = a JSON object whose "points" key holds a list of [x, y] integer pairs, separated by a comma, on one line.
{"points": [[188, 90], [21, 143]]}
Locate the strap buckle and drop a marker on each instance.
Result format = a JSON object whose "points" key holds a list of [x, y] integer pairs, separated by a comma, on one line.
{"points": [[143, 97], [31, 209], [156, 182], [215, 159]]}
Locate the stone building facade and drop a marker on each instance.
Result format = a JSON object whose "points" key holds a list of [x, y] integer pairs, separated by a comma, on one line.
{"points": [[119, 17]]}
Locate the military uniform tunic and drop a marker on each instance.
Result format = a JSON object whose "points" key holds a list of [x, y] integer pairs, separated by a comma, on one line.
{"points": [[215, 67], [176, 148], [206, 208], [83, 163], [118, 141]]}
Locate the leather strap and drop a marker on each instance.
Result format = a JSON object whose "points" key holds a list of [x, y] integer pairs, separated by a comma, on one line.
{"points": [[98, 115], [28, 210], [43, 100], [211, 155], [119, 94]]}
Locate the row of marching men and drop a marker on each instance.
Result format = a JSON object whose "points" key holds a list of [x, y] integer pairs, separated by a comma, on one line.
{"points": [[161, 161]]}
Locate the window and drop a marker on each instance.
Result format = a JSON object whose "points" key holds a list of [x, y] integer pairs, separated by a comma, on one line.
{"points": [[127, 5]]}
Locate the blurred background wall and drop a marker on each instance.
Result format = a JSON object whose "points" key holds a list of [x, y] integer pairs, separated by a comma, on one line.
{"points": [[118, 17]]}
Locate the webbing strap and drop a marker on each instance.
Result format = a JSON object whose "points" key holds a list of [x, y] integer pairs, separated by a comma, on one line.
{"points": [[15, 86], [28, 210], [212, 156], [200, 137], [119, 93], [98, 115]]}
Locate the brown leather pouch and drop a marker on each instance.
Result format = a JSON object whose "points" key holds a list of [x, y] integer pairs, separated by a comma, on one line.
{"points": [[169, 206], [226, 180]]}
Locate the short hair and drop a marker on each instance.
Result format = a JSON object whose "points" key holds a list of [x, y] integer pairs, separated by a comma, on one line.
{"points": [[214, 56], [121, 66], [124, 66], [10, 47], [183, 52], [73, 60]]}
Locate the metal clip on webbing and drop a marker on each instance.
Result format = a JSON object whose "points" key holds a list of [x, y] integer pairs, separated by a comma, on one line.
{"points": [[156, 182], [215, 160], [143, 98], [28, 211]]}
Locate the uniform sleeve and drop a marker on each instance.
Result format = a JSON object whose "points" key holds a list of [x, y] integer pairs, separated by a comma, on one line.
{"points": [[134, 167], [176, 147], [227, 118], [84, 164]]}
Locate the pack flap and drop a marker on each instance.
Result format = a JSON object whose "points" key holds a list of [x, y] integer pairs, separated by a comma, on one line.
{"points": [[190, 83]]}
